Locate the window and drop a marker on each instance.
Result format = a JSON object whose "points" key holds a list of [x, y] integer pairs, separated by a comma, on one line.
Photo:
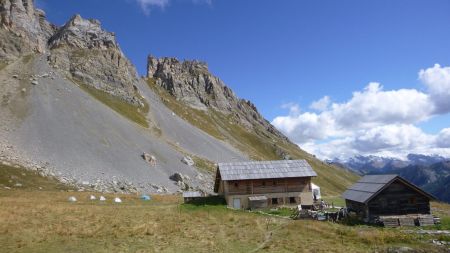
{"points": [[236, 184], [412, 200], [274, 201], [263, 183], [274, 183], [292, 200]]}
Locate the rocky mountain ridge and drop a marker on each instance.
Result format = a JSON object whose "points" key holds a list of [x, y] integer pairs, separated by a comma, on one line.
{"points": [[93, 57], [24, 29], [192, 83], [377, 164]]}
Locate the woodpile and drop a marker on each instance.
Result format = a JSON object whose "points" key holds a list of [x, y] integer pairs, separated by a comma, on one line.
{"points": [[407, 220], [427, 220]]}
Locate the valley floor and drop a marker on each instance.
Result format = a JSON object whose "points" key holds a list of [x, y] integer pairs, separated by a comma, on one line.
{"points": [[44, 221]]}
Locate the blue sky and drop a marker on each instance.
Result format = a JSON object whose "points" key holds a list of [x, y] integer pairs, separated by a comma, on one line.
{"points": [[290, 53]]}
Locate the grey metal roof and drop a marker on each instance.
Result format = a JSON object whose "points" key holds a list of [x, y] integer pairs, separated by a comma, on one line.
{"points": [[257, 198], [366, 187], [192, 194], [265, 169]]}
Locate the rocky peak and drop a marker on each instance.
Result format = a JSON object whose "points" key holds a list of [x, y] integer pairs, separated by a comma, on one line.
{"points": [[93, 57], [23, 28], [192, 83], [84, 34]]}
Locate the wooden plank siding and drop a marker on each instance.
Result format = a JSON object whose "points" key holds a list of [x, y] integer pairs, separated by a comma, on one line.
{"points": [[263, 186], [398, 199]]}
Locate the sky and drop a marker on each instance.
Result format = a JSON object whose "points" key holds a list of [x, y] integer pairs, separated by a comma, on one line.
{"points": [[338, 77]]}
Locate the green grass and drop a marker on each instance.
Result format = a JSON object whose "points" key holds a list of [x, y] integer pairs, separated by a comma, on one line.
{"points": [[11, 175], [27, 58], [336, 200], [131, 112], [282, 211], [204, 164], [38, 221], [3, 65]]}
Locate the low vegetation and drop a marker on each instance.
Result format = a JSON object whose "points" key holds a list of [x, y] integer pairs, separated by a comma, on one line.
{"points": [[255, 143], [204, 164], [3, 65], [44, 221], [16, 177], [131, 112]]}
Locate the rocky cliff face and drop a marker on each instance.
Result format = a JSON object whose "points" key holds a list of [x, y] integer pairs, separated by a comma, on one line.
{"points": [[192, 83], [23, 29], [92, 56], [80, 48]]}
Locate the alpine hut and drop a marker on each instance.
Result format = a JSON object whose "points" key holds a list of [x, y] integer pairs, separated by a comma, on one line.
{"points": [[262, 184], [374, 196]]}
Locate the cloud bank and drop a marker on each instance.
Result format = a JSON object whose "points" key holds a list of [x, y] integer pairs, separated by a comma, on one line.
{"points": [[374, 120]]}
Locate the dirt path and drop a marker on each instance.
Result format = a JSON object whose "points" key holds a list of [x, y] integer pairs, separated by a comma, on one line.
{"points": [[268, 236]]}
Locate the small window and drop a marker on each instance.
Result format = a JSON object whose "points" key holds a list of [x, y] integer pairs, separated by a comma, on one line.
{"points": [[274, 183], [292, 200], [274, 201], [236, 184], [263, 183], [412, 200]]}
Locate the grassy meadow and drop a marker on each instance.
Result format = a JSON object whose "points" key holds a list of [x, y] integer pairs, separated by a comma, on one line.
{"points": [[36, 216], [44, 221]]}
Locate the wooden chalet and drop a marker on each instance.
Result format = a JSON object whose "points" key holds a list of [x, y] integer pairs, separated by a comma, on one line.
{"points": [[262, 184], [374, 196]]}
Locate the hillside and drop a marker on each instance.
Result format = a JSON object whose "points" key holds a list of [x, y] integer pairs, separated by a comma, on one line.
{"points": [[73, 107], [196, 95]]}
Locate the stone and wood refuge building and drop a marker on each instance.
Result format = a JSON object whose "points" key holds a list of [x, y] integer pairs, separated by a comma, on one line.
{"points": [[263, 184], [375, 196]]}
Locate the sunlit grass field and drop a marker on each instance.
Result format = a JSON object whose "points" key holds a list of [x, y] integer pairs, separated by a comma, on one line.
{"points": [[45, 221]]}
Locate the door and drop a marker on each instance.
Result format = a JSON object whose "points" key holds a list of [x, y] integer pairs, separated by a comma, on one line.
{"points": [[237, 203]]}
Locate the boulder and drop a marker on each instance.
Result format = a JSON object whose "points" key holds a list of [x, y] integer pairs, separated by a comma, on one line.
{"points": [[34, 82], [149, 158], [117, 200], [72, 199], [188, 160], [177, 177], [92, 197], [102, 198]]}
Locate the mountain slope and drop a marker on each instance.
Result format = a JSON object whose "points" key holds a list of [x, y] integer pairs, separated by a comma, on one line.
{"points": [[72, 106], [191, 91]]}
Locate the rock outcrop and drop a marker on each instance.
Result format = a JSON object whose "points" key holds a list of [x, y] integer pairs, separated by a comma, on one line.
{"points": [[93, 57], [23, 29], [192, 83]]}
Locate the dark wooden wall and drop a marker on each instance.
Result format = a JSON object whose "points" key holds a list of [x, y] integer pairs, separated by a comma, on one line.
{"points": [[398, 199]]}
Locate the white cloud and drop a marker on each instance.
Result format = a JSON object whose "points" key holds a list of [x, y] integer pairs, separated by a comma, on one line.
{"points": [[374, 121], [305, 127], [321, 104], [437, 80], [146, 5], [443, 138], [374, 106], [395, 137]]}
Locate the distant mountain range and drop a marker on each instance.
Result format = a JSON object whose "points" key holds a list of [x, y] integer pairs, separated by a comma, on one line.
{"points": [[432, 173]]}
